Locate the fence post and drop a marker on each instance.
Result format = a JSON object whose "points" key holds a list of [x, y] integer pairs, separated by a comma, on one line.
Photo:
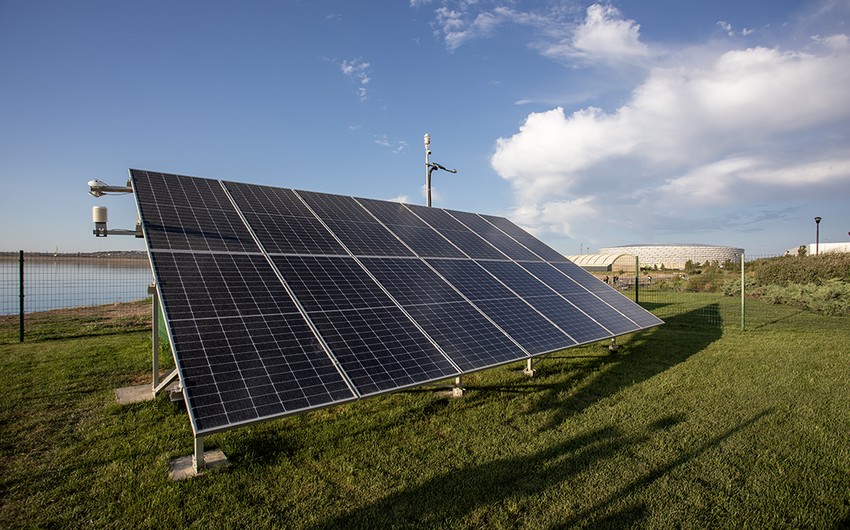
{"points": [[21, 295], [743, 306], [637, 278]]}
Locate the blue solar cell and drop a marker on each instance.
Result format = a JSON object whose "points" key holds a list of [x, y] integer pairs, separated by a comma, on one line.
{"points": [[528, 327], [494, 236], [286, 234], [411, 281], [336, 207], [241, 357], [367, 239], [330, 283], [467, 337], [391, 214], [527, 240], [380, 349], [522, 322], [267, 200], [189, 213], [426, 242]]}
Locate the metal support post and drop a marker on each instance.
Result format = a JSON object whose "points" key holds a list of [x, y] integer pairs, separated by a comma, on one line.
{"points": [[457, 389], [198, 456], [637, 279], [154, 334], [529, 367], [21, 296], [743, 305]]}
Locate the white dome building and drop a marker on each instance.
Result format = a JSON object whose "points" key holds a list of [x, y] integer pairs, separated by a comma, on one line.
{"points": [[676, 256]]}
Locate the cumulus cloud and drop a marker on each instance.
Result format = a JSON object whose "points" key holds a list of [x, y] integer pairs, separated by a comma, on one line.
{"points": [[605, 35], [747, 126]]}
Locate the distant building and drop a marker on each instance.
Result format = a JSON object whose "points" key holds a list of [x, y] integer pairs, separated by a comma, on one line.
{"points": [[823, 248], [677, 256], [615, 263]]}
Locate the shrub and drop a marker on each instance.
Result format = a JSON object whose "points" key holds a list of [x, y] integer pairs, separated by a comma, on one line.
{"points": [[802, 270], [831, 297]]}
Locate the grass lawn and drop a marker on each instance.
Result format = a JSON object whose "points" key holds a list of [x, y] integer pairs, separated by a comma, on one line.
{"points": [[698, 426]]}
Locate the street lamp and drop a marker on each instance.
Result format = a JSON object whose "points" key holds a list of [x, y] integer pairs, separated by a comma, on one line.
{"points": [[817, 234], [429, 168]]}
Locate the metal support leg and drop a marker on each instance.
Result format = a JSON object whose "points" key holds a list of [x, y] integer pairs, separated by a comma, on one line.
{"points": [[457, 390], [529, 367], [154, 335], [198, 457]]}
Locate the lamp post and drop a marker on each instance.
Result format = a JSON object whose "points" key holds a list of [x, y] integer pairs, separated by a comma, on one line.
{"points": [[817, 234]]}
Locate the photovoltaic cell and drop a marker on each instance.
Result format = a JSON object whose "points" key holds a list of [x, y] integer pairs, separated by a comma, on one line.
{"points": [[284, 234], [494, 236], [268, 200], [467, 241], [331, 283], [467, 337], [527, 240], [522, 322], [423, 239], [378, 346], [411, 281], [592, 305], [243, 350], [280, 301], [380, 349], [190, 213], [559, 310], [367, 239], [614, 299]]}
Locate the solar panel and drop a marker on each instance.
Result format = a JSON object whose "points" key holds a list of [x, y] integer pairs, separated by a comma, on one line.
{"points": [[456, 325], [279, 301]]}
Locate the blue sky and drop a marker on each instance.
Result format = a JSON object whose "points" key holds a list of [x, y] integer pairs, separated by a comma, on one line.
{"points": [[591, 124]]}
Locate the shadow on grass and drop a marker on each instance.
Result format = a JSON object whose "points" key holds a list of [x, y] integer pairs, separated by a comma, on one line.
{"points": [[446, 499], [649, 353]]}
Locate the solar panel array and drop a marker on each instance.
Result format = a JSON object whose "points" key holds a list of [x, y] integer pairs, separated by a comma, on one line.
{"points": [[279, 301]]}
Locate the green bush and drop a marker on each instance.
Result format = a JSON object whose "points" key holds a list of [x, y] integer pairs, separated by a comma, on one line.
{"points": [[831, 297], [802, 270], [711, 280]]}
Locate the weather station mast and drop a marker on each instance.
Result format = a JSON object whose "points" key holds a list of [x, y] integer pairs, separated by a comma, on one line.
{"points": [[457, 389], [429, 168]]}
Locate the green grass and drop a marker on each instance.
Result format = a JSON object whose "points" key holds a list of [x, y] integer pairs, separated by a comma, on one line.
{"points": [[691, 426]]}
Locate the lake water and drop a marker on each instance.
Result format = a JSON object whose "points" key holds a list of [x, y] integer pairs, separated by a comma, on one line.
{"points": [[67, 282]]}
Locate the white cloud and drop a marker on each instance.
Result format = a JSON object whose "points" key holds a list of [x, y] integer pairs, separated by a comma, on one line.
{"points": [[400, 198], [605, 35], [396, 146], [467, 21], [750, 125], [358, 71], [601, 34]]}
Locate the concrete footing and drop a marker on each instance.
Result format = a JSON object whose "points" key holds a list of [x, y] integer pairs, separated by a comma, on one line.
{"points": [[182, 468], [137, 394]]}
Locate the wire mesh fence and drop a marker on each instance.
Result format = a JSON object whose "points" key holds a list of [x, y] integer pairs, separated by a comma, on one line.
{"points": [[88, 294], [697, 291], [50, 296]]}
